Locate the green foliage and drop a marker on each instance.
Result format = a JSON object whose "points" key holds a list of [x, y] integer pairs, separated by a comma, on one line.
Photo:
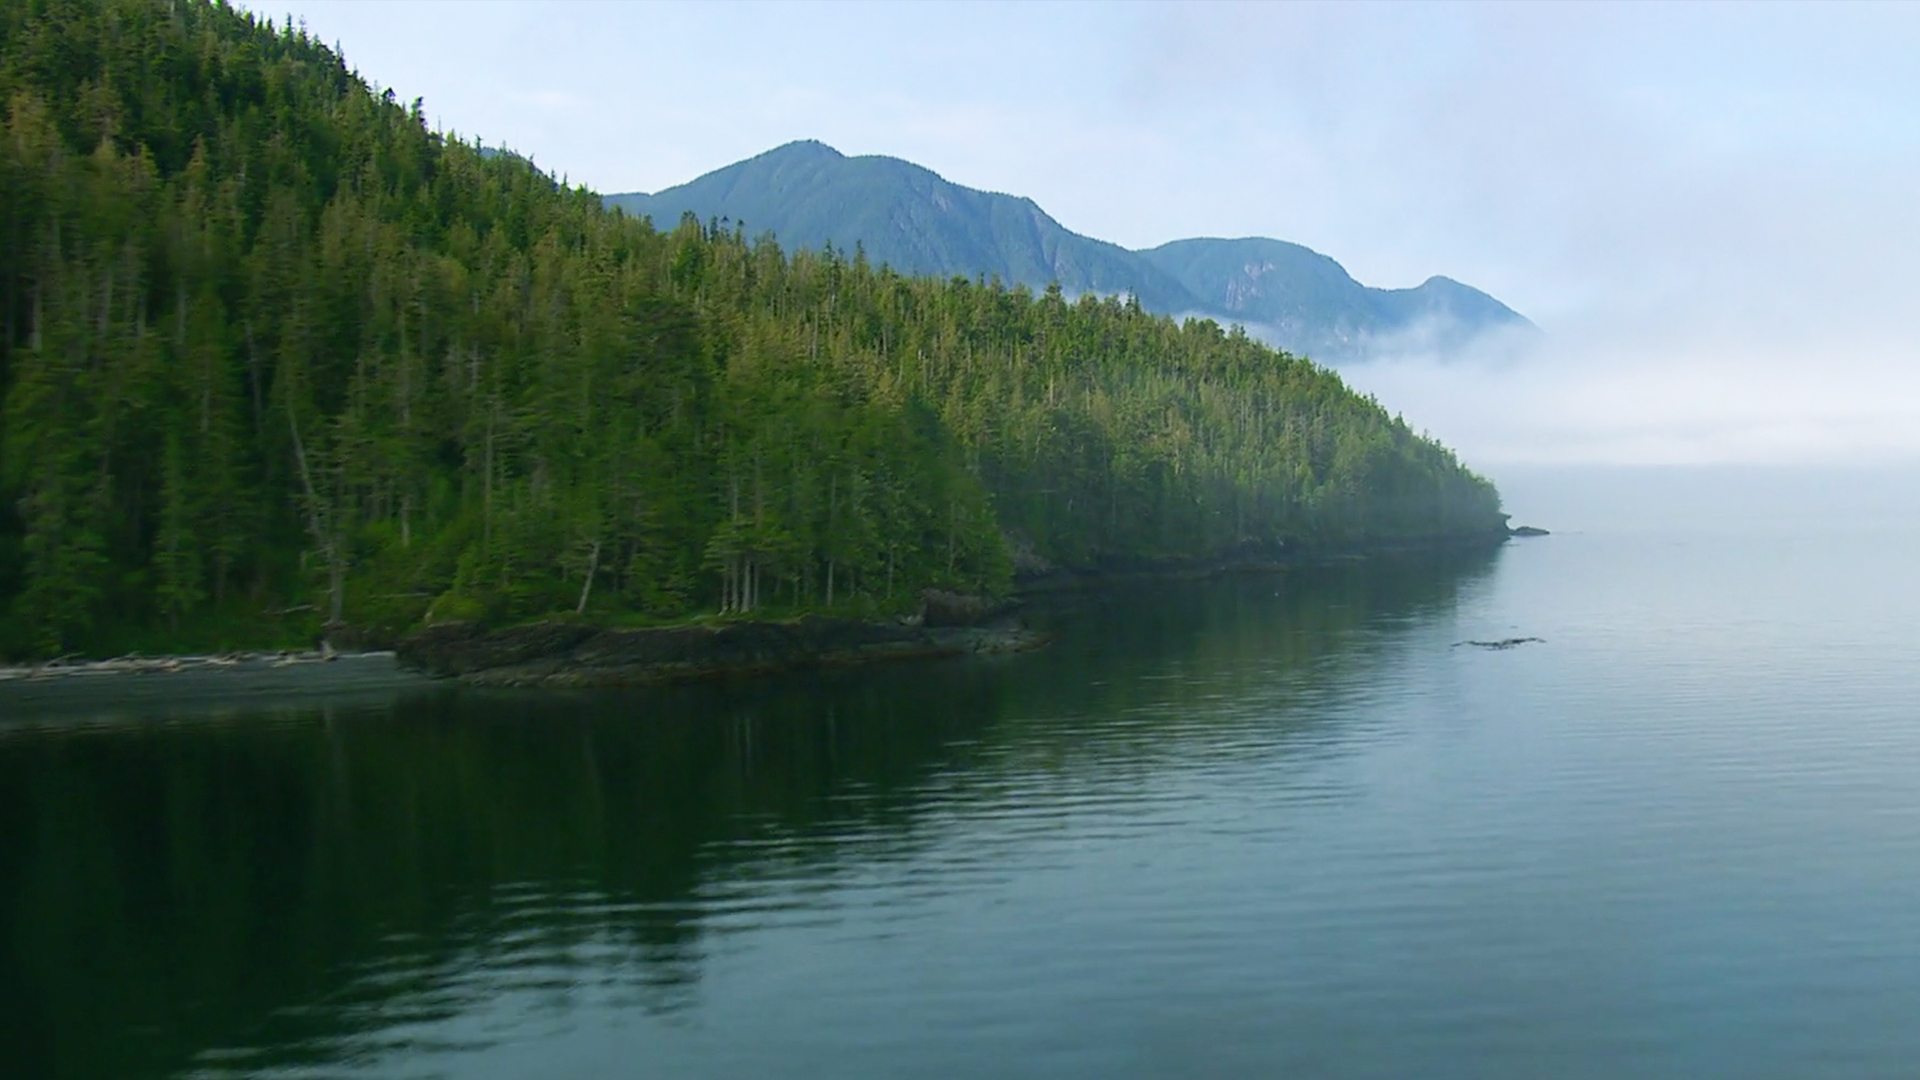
{"points": [[274, 354]]}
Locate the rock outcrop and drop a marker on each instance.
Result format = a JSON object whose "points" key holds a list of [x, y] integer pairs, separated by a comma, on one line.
{"points": [[558, 654]]}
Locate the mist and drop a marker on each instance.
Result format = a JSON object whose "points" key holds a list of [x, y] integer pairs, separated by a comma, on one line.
{"points": [[1706, 209], [1625, 398]]}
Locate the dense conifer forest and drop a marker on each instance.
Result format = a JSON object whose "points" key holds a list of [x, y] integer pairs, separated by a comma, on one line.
{"points": [[276, 356]]}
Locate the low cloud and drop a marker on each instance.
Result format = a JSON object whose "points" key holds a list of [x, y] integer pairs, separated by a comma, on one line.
{"points": [[1613, 399]]}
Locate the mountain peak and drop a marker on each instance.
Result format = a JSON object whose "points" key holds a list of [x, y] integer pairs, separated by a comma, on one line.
{"points": [[803, 149]]}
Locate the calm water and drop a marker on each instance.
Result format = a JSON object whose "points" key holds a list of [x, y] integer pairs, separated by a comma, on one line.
{"points": [[1255, 827]]}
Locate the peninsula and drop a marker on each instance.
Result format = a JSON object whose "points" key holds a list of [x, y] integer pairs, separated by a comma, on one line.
{"points": [[279, 361]]}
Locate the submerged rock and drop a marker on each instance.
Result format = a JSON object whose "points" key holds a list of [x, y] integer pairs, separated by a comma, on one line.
{"points": [[1503, 643]]}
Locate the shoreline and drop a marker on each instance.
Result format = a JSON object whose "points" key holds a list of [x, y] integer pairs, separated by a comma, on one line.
{"points": [[570, 656], [177, 663], [555, 654], [1259, 559], [151, 687]]}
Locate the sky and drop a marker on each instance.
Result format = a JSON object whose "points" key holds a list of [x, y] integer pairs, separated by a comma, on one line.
{"points": [[1713, 210]]}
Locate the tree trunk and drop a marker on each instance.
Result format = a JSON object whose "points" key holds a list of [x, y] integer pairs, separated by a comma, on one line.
{"points": [[253, 376], [323, 534], [586, 589], [833, 509], [486, 498]]}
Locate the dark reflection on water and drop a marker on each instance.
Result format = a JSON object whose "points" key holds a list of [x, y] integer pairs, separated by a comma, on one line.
{"points": [[1250, 827], [320, 888]]}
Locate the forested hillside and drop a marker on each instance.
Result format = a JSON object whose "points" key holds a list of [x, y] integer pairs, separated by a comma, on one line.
{"points": [[276, 356]]}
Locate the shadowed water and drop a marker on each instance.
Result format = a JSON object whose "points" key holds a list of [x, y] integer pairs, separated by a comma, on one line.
{"points": [[1281, 825]]}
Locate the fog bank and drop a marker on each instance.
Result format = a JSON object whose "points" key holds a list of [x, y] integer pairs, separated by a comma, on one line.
{"points": [[1621, 399]]}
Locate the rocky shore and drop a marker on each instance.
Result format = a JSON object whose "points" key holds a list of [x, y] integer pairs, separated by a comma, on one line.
{"points": [[134, 686], [571, 654], [568, 654], [246, 662], [558, 654]]}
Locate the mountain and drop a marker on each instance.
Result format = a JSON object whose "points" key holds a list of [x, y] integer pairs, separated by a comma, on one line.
{"points": [[808, 195], [908, 217], [1308, 303]]}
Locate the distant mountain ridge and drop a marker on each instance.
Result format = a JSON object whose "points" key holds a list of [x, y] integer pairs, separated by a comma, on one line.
{"points": [[1311, 305], [909, 217]]}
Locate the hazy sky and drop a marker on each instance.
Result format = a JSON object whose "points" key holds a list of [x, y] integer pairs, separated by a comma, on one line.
{"points": [[1714, 210]]}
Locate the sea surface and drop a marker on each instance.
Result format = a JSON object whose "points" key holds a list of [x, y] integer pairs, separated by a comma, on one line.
{"points": [[1275, 825]]}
